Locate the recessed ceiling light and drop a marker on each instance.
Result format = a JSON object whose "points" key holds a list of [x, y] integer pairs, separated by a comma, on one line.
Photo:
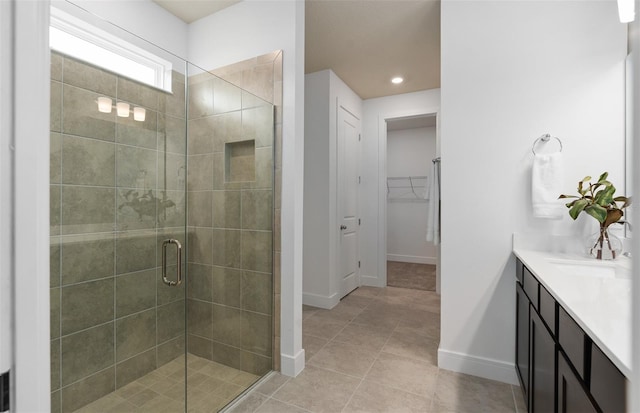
{"points": [[397, 80]]}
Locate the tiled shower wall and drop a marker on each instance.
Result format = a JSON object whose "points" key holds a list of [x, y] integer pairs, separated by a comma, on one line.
{"points": [[230, 202], [262, 76], [112, 319]]}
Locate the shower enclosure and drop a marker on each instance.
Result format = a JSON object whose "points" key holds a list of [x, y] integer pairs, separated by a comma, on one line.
{"points": [[161, 238]]}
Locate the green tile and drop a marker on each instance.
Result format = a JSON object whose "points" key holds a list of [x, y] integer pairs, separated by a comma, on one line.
{"points": [[257, 123], [200, 209], [226, 97], [200, 347], [136, 168], [138, 133], [170, 350], [137, 209], [226, 248], [137, 93], [227, 127], [135, 251], [86, 305], [174, 103], [226, 209], [255, 363], [56, 66], [200, 245], [87, 257], [200, 97], [227, 355], [54, 312], [88, 390], [200, 172], [56, 401], [54, 262], [55, 158], [54, 209], [81, 117], [135, 367], [257, 209], [87, 209], [89, 77], [199, 318], [257, 292], [55, 364], [172, 134], [172, 173], [55, 109], [167, 294], [200, 135], [135, 292], [257, 333], [172, 213], [171, 321], [257, 251], [264, 168], [200, 282], [227, 325], [226, 286], [135, 334], [88, 162], [86, 353]]}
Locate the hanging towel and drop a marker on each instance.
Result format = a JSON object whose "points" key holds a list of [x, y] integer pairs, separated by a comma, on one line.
{"points": [[433, 217], [547, 177]]}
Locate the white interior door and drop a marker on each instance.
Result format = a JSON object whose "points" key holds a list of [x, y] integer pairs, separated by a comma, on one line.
{"points": [[347, 175]]}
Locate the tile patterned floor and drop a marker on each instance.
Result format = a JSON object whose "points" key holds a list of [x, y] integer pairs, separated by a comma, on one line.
{"points": [[410, 275], [211, 387], [376, 352]]}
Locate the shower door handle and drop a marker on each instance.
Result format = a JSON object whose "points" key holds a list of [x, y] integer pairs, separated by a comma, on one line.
{"points": [[178, 262]]}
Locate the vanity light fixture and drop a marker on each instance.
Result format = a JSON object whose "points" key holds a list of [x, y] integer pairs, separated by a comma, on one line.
{"points": [[397, 80], [105, 105], [626, 11]]}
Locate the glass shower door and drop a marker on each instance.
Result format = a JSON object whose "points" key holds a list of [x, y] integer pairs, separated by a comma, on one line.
{"points": [[118, 213]]}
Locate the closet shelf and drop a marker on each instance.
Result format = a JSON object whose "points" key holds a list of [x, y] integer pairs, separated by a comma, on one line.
{"points": [[407, 188]]}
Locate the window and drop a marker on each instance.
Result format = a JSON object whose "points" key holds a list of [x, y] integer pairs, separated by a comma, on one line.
{"points": [[78, 39]]}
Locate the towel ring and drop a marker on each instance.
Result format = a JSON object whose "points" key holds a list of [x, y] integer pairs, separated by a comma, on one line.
{"points": [[545, 138]]}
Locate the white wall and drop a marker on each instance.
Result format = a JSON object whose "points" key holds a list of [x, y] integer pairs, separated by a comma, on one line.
{"points": [[324, 91], [240, 32], [373, 187], [409, 153], [143, 18], [516, 71]]}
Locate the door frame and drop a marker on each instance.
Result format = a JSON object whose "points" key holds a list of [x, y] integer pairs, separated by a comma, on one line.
{"points": [[382, 184]]}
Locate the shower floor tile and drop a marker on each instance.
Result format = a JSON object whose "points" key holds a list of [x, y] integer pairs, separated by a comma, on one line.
{"points": [[211, 387]]}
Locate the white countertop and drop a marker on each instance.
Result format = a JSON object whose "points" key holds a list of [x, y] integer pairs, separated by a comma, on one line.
{"points": [[601, 305]]}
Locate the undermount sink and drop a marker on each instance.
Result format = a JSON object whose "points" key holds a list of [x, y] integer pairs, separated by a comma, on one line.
{"points": [[597, 269]]}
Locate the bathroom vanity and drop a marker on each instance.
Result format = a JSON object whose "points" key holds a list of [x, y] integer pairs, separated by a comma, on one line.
{"points": [[573, 332]]}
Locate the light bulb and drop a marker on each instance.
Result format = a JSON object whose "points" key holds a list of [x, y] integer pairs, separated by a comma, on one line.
{"points": [[104, 105], [123, 109], [397, 80], [139, 114]]}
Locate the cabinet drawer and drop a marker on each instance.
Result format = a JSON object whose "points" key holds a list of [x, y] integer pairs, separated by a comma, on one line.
{"points": [[571, 339], [548, 310], [530, 285], [519, 267], [607, 383]]}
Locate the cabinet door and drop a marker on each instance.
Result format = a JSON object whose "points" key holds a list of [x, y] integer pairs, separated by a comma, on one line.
{"points": [[572, 397], [542, 382], [522, 339]]}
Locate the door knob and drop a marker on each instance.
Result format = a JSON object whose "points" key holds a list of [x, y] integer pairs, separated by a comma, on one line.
{"points": [[343, 227]]}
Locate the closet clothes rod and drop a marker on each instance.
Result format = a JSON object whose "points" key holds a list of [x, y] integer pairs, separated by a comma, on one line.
{"points": [[436, 160], [395, 182]]}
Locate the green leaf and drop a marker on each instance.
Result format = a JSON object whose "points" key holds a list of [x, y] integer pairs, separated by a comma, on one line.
{"points": [[570, 204], [581, 190], [603, 176], [578, 207], [586, 179], [626, 201], [597, 212], [567, 196], [605, 196]]}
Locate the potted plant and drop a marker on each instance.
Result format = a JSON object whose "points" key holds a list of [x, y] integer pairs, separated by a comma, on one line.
{"points": [[597, 199]]}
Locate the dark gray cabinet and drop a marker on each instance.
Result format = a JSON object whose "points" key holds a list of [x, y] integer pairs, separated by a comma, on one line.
{"points": [[559, 367]]}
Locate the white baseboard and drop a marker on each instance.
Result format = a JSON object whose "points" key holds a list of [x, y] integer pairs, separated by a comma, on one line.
{"points": [[478, 366], [371, 281], [292, 365], [320, 301], [412, 259]]}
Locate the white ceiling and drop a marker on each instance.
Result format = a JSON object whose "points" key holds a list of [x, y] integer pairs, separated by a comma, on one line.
{"points": [[365, 42]]}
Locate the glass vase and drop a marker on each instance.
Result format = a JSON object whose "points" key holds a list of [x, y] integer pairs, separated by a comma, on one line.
{"points": [[603, 245]]}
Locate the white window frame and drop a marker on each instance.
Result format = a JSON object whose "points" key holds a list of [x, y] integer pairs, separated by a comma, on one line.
{"points": [[96, 42]]}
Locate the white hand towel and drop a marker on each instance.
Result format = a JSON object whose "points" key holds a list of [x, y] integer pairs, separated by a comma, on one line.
{"points": [[547, 177]]}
